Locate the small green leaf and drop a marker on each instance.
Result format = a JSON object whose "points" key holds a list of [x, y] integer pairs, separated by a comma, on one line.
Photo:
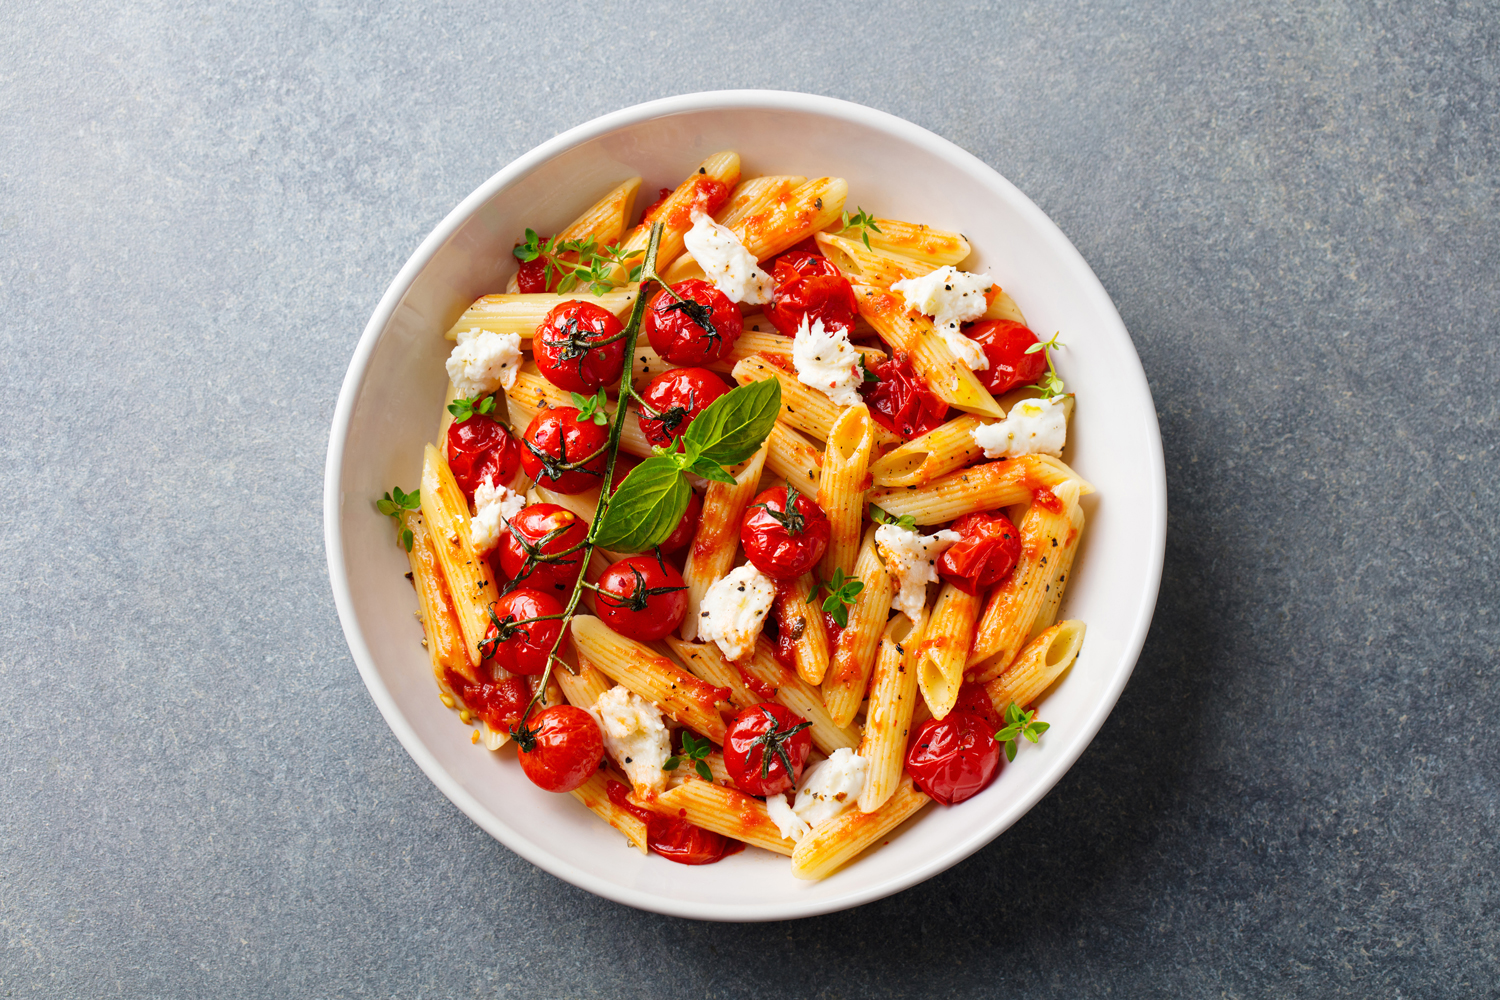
{"points": [[531, 249], [868, 375], [711, 470], [907, 521], [592, 408], [842, 592], [1010, 750], [406, 538], [385, 505], [704, 772], [735, 424], [645, 508], [670, 764]]}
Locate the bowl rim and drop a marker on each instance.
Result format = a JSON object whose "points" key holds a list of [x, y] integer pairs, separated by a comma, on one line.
{"points": [[773, 100]]}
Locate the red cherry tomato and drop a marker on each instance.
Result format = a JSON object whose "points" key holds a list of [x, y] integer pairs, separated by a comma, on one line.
{"points": [[702, 328], [521, 648], [641, 598], [985, 555], [682, 535], [675, 838], [570, 349], [809, 287], [565, 750], [676, 397], [954, 757], [766, 747], [543, 529], [901, 402], [801, 261], [973, 698], [1005, 342], [531, 275], [563, 453], [479, 450], [498, 702], [784, 543]]}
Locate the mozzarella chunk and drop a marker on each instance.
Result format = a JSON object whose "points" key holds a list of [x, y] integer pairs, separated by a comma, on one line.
{"points": [[1032, 427], [726, 262], [734, 609], [825, 360], [912, 560], [950, 297], [634, 735], [792, 826], [494, 506], [483, 362], [829, 788]]}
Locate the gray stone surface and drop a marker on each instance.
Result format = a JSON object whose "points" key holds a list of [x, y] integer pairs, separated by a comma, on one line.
{"points": [[1293, 206]]}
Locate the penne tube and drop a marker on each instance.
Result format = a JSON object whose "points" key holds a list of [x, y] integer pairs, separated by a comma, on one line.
{"points": [[582, 683], [707, 663], [778, 223], [604, 222], [945, 646], [980, 487], [949, 378], [723, 810], [854, 655], [799, 616], [1002, 306], [522, 313], [802, 406], [1062, 568], [718, 538], [841, 490], [910, 239], [866, 266], [686, 770], [893, 695], [688, 700], [790, 457], [1014, 603], [675, 215], [754, 194], [446, 513], [801, 697], [1038, 667], [444, 638], [446, 420], [919, 461], [834, 843], [594, 793]]}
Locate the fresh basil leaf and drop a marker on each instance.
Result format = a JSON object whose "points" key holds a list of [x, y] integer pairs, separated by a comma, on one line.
{"points": [[711, 470], [735, 424], [645, 508]]}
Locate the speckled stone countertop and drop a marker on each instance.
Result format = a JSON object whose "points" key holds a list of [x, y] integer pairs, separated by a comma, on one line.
{"points": [[1292, 205]]}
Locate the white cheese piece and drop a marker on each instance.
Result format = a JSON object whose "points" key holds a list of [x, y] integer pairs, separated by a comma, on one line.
{"points": [[494, 506], [483, 362], [829, 787], [734, 608], [634, 735], [950, 297], [792, 826], [1032, 427], [912, 560], [726, 262], [825, 360]]}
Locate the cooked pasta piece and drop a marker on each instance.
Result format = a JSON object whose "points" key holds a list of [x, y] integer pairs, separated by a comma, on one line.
{"points": [[893, 695], [767, 341], [778, 223], [705, 661], [522, 313], [1002, 306], [583, 683], [675, 216], [594, 793], [841, 491], [801, 697], [444, 638], [686, 699], [931, 246], [948, 377], [866, 266], [919, 461], [446, 512], [712, 552], [723, 810], [945, 648], [686, 770], [834, 843], [854, 655], [1038, 667], [799, 616], [980, 487], [754, 194], [789, 456], [1062, 568]]}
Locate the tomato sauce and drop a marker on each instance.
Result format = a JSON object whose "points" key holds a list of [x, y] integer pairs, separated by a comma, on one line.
{"points": [[674, 838], [498, 703]]}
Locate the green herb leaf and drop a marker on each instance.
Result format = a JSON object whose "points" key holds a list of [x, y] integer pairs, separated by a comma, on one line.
{"points": [[531, 249], [710, 470], [396, 506], [861, 220], [406, 538], [592, 408], [694, 750], [463, 409], [842, 590], [1049, 385], [868, 375], [907, 521], [735, 424], [645, 508], [1019, 723], [703, 771]]}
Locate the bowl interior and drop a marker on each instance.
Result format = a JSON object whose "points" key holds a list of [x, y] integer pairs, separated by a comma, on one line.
{"points": [[390, 406]]}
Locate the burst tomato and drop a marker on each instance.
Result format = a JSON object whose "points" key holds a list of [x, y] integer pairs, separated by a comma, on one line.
{"points": [[573, 347], [675, 838], [984, 556], [676, 397], [481, 450], [499, 702], [515, 644], [953, 758], [975, 699], [900, 401], [701, 328], [641, 598], [784, 533], [809, 287], [528, 551], [531, 275], [563, 453], [1005, 342], [765, 749], [561, 748]]}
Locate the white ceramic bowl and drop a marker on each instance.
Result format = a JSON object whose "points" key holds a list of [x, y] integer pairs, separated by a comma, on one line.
{"points": [[393, 392]]}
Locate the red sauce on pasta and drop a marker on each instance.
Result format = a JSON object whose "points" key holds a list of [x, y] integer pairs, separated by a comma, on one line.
{"points": [[673, 837]]}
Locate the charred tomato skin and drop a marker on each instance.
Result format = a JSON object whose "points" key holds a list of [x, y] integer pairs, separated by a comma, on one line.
{"points": [[699, 330], [575, 347], [557, 437]]}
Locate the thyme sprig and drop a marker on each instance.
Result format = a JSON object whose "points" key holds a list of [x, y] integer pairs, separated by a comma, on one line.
{"points": [[842, 590], [397, 507], [861, 220], [1050, 385], [693, 749], [1020, 723], [594, 266]]}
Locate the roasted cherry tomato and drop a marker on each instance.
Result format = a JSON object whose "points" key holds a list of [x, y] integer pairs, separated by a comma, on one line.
{"points": [[561, 748], [515, 644], [498, 702], [809, 287], [701, 328], [641, 598], [531, 275], [1005, 342], [675, 838], [784, 532], [766, 747], [676, 397], [480, 450], [682, 535], [973, 698], [954, 757], [985, 555], [571, 350], [564, 453], [540, 530], [900, 401]]}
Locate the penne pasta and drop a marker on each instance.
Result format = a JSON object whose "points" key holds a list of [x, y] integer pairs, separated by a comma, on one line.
{"points": [[893, 696], [779, 222], [802, 406], [919, 461], [949, 378], [1038, 667], [594, 793], [863, 265], [444, 638], [841, 490], [766, 341], [790, 457], [675, 216], [909, 239], [686, 699], [854, 654], [718, 536], [522, 313], [980, 487], [801, 697], [1062, 568], [753, 195], [686, 770], [446, 513], [834, 843], [799, 616], [723, 810], [945, 646], [582, 683], [707, 663]]}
